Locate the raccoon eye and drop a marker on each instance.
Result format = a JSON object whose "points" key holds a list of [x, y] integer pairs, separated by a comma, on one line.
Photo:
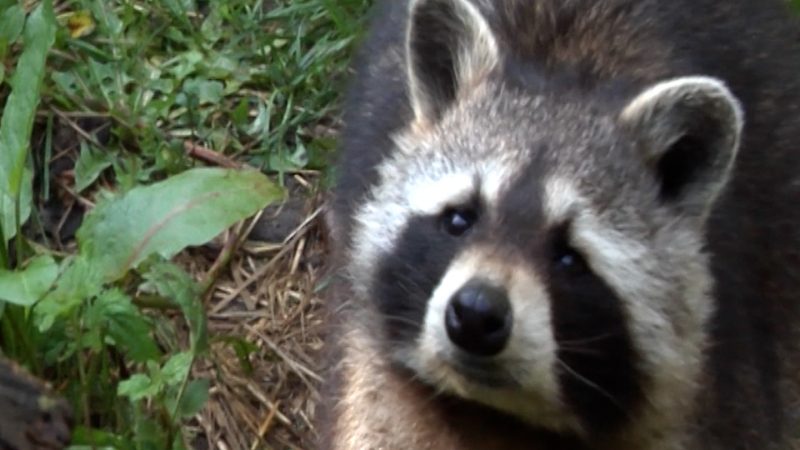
{"points": [[569, 260], [457, 221], [565, 258]]}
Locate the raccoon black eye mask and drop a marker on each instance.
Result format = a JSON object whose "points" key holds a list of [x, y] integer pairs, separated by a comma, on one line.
{"points": [[569, 225]]}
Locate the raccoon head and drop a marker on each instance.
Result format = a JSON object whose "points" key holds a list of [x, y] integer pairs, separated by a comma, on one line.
{"points": [[539, 248]]}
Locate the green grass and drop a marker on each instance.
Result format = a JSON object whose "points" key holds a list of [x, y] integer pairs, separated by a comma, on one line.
{"points": [[244, 78], [254, 81]]}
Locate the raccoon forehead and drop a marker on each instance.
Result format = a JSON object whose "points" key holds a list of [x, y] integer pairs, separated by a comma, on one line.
{"points": [[431, 174], [466, 159], [559, 133]]}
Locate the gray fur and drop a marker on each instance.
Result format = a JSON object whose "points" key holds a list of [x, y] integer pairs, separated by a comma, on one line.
{"points": [[668, 145]]}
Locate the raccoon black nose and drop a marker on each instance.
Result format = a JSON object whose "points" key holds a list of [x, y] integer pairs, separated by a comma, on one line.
{"points": [[478, 319]]}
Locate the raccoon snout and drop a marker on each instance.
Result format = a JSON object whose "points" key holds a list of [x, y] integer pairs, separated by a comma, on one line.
{"points": [[478, 318]]}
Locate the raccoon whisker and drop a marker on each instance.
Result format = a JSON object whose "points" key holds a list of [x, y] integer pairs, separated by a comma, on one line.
{"points": [[400, 320], [588, 340], [436, 387], [533, 355], [581, 351], [436, 391], [591, 384]]}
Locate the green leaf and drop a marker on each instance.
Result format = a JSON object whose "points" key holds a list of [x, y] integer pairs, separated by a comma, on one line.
{"points": [[25, 287], [205, 91], [126, 325], [8, 202], [164, 218], [79, 281], [242, 348], [221, 67], [17, 121], [92, 439], [212, 27], [148, 433], [177, 367], [178, 444], [66, 82], [174, 283], [180, 7], [184, 64], [194, 398], [12, 21], [91, 163], [137, 387], [106, 17], [109, 79]]}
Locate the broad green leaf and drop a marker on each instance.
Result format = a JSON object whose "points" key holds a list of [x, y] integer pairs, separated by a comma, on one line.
{"points": [[166, 217], [176, 369], [91, 163], [172, 282], [194, 398], [25, 287], [18, 115], [205, 91], [137, 387], [12, 21]]}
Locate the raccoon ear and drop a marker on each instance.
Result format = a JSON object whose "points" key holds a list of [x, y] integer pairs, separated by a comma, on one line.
{"points": [[689, 130], [449, 45]]}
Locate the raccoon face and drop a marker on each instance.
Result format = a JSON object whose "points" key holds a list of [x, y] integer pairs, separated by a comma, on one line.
{"points": [[536, 251]]}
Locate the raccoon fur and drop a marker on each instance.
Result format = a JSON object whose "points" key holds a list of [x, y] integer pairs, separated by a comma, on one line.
{"points": [[569, 224]]}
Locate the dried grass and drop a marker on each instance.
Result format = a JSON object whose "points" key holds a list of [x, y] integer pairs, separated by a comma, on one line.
{"points": [[266, 296]]}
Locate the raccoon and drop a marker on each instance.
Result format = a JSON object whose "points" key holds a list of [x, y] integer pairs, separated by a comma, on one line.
{"points": [[569, 224]]}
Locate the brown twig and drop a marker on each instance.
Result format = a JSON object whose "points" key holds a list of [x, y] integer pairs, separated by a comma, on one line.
{"points": [[205, 154]]}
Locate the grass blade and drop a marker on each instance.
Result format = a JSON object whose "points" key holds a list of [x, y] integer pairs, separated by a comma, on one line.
{"points": [[17, 121]]}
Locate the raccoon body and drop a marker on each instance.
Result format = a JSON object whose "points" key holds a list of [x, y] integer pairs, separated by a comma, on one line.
{"points": [[569, 225]]}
